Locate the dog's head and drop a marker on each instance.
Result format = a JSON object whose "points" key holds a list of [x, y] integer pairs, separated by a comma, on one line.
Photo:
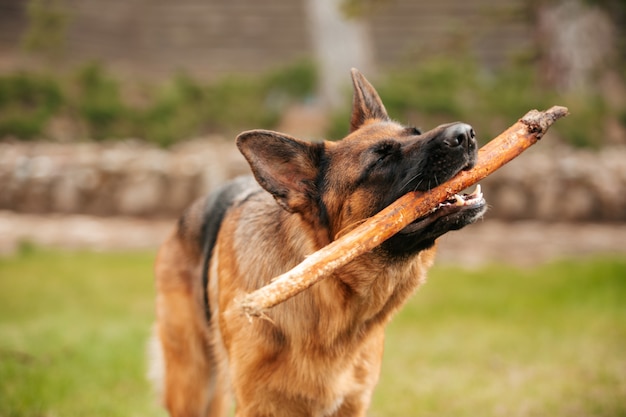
{"points": [[336, 185]]}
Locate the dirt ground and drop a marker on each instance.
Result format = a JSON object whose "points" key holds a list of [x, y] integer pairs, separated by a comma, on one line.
{"points": [[522, 243]]}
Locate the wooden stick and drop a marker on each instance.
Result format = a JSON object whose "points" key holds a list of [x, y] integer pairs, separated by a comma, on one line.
{"points": [[399, 214]]}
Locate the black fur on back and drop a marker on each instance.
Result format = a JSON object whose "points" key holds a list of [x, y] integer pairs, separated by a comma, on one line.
{"points": [[216, 206]]}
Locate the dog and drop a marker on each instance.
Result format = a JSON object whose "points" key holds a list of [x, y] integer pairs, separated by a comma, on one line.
{"points": [[318, 353]]}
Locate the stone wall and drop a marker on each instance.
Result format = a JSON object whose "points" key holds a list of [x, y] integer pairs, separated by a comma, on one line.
{"points": [[128, 178], [560, 184], [112, 179]]}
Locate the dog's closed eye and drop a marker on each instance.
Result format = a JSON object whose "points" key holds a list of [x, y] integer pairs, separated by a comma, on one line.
{"points": [[386, 149]]}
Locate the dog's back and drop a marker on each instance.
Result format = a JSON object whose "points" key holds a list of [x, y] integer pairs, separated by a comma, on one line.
{"points": [[182, 362]]}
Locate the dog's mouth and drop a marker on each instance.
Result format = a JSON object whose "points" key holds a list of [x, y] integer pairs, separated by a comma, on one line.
{"points": [[458, 211]]}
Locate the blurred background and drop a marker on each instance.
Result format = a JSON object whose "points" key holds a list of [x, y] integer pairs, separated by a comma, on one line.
{"points": [[165, 72], [115, 115], [131, 108]]}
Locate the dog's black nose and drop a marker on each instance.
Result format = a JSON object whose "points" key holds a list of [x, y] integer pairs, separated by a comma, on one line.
{"points": [[460, 134]]}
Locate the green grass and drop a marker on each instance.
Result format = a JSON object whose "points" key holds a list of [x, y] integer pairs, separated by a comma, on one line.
{"points": [[498, 341], [73, 332], [502, 341]]}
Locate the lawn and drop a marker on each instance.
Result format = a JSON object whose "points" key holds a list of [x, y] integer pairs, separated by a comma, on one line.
{"points": [[497, 341]]}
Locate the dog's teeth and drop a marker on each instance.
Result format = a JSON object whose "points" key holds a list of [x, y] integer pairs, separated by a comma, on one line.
{"points": [[459, 200], [478, 192]]}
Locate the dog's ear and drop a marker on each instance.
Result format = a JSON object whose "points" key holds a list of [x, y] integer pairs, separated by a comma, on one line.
{"points": [[366, 104], [286, 167]]}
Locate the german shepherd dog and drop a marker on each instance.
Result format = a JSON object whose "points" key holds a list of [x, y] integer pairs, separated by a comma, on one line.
{"points": [[319, 353]]}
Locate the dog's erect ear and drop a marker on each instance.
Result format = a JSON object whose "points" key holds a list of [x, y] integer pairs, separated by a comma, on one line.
{"points": [[286, 167], [366, 104]]}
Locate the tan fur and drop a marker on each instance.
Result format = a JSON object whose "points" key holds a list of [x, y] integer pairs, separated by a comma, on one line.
{"points": [[327, 365], [319, 353]]}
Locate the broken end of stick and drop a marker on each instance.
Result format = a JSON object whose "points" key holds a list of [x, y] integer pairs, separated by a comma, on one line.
{"points": [[249, 308], [538, 122]]}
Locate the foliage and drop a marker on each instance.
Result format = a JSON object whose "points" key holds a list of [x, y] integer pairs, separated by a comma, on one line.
{"points": [[98, 102], [502, 340], [48, 21], [27, 102], [352, 9], [174, 110], [437, 91]]}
